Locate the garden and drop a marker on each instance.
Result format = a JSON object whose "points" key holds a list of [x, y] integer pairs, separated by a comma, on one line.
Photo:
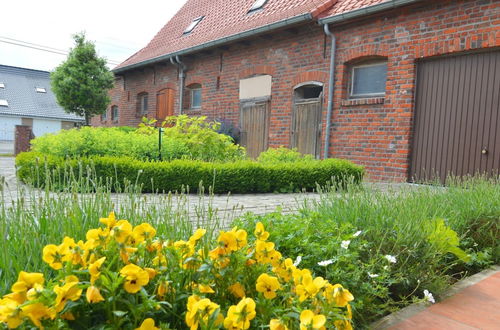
{"points": [[75, 257]]}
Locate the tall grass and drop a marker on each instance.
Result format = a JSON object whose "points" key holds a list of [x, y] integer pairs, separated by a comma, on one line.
{"points": [[31, 219]]}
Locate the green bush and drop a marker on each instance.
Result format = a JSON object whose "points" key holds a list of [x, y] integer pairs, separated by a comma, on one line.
{"points": [[185, 138], [283, 155], [237, 177], [426, 230]]}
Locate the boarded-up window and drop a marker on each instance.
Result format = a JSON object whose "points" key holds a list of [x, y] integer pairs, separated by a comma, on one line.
{"points": [[255, 87]]}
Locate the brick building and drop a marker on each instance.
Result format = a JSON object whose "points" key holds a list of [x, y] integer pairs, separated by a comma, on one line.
{"points": [[416, 83]]}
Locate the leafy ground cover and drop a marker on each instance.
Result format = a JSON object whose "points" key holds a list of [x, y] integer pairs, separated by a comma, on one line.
{"points": [[390, 250]]}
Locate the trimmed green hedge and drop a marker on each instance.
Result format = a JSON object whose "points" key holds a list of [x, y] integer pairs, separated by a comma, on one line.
{"points": [[237, 177]]}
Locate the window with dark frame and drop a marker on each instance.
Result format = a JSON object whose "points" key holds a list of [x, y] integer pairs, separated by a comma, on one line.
{"points": [[258, 4], [368, 80], [104, 116], [114, 113], [193, 25], [142, 103]]}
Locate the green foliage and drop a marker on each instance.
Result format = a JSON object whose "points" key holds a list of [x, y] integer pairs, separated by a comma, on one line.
{"points": [[82, 82], [184, 138], [236, 177], [401, 224], [283, 155]]}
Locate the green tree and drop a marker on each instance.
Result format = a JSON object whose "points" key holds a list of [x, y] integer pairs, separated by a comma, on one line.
{"points": [[82, 82]]}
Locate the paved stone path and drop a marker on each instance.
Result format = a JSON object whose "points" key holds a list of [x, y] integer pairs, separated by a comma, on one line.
{"points": [[473, 303]]}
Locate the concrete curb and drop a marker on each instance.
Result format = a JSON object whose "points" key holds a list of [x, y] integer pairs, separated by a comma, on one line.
{"points": [[407, 312]]}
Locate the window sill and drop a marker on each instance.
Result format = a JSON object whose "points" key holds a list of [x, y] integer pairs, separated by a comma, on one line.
{"points": [[364, 101]]}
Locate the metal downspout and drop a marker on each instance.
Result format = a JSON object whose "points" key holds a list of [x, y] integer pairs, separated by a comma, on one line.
{"points": [[182, 76], [331, 88]]}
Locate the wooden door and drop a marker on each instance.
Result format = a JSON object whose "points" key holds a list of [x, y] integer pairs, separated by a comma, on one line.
{"points": [[164, 104], [306, 126], [254, 126], [457, 117]]}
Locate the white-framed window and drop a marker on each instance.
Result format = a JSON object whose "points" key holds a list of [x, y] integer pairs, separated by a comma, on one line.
{"points": [[193, 24], [2, 85], [114, 113], [40, 90], [104, 115], [258, 4], [195, 96], [142, 103], [368, 80], [4, 103]]}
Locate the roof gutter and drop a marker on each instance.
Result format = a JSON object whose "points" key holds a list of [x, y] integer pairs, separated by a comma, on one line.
{"points": [[242, 35], [391, 4]]}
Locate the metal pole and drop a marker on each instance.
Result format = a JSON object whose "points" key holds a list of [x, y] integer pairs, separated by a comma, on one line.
{"points": [[160, 129]]}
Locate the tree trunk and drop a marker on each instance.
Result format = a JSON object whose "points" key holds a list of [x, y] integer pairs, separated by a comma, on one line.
{"points": [[87, 119]]}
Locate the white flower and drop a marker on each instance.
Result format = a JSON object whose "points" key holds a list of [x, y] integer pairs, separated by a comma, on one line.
{"points": [[429, 296], [297, 261], [373, 275], [386, 267], [390, 258], [325, 262], [356, 234], [345, 244]]}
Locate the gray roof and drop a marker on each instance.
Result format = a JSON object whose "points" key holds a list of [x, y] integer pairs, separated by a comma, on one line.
{"points": [[20, 93]]}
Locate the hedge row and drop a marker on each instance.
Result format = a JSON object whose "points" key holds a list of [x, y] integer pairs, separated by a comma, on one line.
{"points": [[237, 177]]}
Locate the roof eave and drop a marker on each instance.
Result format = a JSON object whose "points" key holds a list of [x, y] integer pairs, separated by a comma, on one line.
{"points": [[366, 11], [219, 42]]}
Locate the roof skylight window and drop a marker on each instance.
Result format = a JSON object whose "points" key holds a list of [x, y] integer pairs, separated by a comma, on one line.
{"points": [[40, 90], [193, 24], [2, 85], [258, 4], [4, 103]]}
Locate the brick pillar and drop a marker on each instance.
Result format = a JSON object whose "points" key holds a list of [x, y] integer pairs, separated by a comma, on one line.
{"points": [[23, 137]]}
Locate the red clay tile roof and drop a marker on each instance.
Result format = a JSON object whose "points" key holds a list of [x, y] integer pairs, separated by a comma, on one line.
{"points": [[225, 18], [344, 6]]}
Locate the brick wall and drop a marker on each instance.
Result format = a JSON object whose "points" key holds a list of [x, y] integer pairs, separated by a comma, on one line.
{"points": [[374, 132]]}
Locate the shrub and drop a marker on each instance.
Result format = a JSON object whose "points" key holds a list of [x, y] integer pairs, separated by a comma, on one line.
{"points": [[389, 248], [125, 277], [283, 155], [236, 177], [185, 138]]}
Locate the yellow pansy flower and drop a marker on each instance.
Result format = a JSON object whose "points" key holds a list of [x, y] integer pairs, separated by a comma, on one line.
{"points": [[200, 311], [55, 255], [95, 269], [163, 288], [93, 295], [263, 251], [27, 281], [135, 278], [96, 237], [276, 324], [239, 316], [237, 290], [227, 241], [110, 221], [241, 237], [121, 231], [308, 288], [285, 269], [268, 285], [205, 288], [143, 232], [343, 325], [260, 232], [69, 291], [37, 312], [10, 313], [198, 234], [309, 320], [148, 324], [337, 294]]}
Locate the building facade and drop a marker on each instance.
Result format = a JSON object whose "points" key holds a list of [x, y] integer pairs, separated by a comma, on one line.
{"points": [[415, 93]]}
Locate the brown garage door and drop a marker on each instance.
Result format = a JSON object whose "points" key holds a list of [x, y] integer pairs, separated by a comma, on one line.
{"points": [[457, 120]]}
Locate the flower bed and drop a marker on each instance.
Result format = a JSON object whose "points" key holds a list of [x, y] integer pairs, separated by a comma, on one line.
{"points": [[123, 277], [236, 177]]}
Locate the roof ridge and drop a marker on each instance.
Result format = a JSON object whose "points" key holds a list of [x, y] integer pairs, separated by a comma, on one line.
{"points": [[21, 68]]}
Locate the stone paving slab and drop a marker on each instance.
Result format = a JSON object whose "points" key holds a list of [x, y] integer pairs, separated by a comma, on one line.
{"points": [[473, 303]]}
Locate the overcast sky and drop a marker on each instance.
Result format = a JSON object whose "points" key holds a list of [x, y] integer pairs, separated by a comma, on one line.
{"points": [[119, 28]]}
